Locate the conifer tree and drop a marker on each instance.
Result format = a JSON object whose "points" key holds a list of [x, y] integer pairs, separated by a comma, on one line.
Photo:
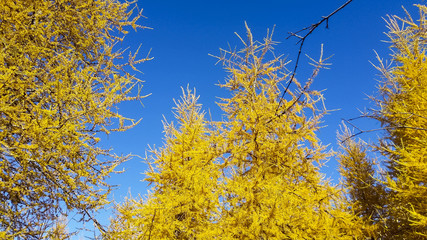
{"points": [[272, 186], [184, 202], [59, 83], [358, 169], [258, 173], [401, 110]]}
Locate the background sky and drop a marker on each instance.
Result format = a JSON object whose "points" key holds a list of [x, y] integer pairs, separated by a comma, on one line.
{"points": [[185, 32]]}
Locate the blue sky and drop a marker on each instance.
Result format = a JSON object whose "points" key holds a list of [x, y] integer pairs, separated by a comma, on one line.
{"points": [[185, 32]]}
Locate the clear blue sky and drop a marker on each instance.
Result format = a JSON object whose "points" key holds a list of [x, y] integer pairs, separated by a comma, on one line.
{"points": [[185, 32]]}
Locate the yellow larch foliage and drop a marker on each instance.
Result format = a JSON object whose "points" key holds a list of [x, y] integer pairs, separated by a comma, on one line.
{"points": [[184, 177], [59, 82], [272, 188], [59, 231], [253, 175], [401, 109], [360, 182], [402, 112]]}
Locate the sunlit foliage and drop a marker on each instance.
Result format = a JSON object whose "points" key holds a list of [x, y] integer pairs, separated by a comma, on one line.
{"points": [[358, 171], [253, 175], [272, 185], [59, 81], [401, 211], [185, 197]]}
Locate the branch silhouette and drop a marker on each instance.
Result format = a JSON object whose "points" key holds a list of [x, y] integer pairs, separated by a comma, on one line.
{"points": [[302, 37]]}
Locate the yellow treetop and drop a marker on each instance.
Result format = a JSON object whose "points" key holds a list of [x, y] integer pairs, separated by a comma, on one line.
{"points": [[272, 188], [184, 177], [254, 175], [397, 203]]}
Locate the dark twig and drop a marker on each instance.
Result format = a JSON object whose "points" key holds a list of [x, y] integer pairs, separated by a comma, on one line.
{"points": [[100, 227], [361, 131], [151, 226], [301, 41]]}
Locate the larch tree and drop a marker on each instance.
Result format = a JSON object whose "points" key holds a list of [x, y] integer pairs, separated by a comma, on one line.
{"points": [[253, 175], [272, 187], [184, 175], [358, 170], [401, 211], [60, 79]]}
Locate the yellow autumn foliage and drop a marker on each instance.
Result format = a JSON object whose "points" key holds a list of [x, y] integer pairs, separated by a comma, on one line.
{"points": [[396, 201], [184, 174], [254, 175], [59, 83]]}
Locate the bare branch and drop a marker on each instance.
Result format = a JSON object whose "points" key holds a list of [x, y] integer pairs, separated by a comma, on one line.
{"points": [[301, 41], [151, 226], [361, 131]]}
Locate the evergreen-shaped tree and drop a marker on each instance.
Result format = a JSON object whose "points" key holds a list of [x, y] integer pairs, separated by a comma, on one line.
{"points": [[184, 203], [254, 175], [272, 186], [401, 210]]}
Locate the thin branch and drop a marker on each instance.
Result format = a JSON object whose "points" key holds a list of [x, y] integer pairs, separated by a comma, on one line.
{"points": [[301, 41], [375, 130], [151, 226], [100, 227]]}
